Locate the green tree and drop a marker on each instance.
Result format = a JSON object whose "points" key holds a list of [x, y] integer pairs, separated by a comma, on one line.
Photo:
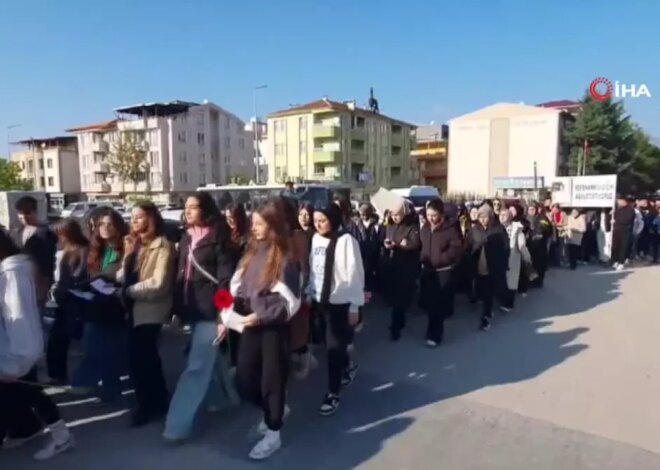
{"points": [[128, 159], [10, 177]]}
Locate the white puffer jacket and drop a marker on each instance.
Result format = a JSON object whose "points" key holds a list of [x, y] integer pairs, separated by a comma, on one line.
{"points": [[21, 337]]}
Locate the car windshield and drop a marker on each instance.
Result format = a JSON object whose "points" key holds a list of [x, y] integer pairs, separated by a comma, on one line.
{"points": [[71, 207]]}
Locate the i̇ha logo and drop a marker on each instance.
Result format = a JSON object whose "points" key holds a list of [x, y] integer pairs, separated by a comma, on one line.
{"points": [[602, 89]]}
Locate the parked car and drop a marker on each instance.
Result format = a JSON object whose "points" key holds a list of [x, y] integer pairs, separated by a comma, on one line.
{"points": [[79, 209]]}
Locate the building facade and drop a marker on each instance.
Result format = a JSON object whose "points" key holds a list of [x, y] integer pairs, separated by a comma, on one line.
{"points": [[431, 155], [51, 164], [505, 140], [186, 145], [331, 141]]}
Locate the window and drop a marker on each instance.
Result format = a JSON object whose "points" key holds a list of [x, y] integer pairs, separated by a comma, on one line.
{"points": [[183, 157], [41, 163], [183, 177], [227, 142], [42, 182], [396, 171], [202, 179], [99, 178], [302, 123], [319, 169], [51, 181], [200, 119], [227, 122], [49, 163], [200, 138], [22, 165], [202, 158], [241, 143], [302, 147], [239, 127], [279, 150], [181, 137], [280, 125], [227, 158], [153, 158]]}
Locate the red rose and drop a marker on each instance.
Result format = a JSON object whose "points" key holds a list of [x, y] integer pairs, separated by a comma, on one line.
{"points": [[223, 299]]}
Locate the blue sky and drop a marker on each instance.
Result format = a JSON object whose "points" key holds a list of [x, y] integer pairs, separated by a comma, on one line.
{"points": [[70, 62]]}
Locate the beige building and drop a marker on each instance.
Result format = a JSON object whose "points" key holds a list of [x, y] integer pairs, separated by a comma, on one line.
{"points": [[505, 140], [51, 164], [431, 155], [187, 145], [331, 141]]}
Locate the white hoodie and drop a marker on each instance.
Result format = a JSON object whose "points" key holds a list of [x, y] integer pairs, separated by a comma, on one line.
{"points": [[347, 285], [21, 338]]}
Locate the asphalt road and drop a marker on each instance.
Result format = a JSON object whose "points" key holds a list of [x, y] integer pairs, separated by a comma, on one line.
{"points": [[569, 380]]}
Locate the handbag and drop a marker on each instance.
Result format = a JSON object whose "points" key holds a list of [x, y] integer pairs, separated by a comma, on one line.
{"points": [[230, 318]]}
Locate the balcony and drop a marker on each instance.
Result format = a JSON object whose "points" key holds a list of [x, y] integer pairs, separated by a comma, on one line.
{"points": [[429, 153], [101, 167], [104, 187], [326, 132], [358, 156], [326, 156], [359, 133], [397, 139], [100, 146]]}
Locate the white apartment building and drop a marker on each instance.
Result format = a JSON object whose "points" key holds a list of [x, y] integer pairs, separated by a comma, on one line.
{"points": [[505, 141], [187, 145], [261, 162], [51, 164]]}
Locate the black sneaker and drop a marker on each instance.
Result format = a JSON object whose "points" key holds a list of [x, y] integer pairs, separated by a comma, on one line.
{"points": [[329, 405], [349, 375], [485, 324]]}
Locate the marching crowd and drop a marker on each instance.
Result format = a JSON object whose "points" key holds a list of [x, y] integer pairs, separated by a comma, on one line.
{"points": [[297, 278]]}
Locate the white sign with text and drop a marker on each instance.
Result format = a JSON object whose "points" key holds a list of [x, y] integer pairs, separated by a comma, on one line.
{"points": [[593, 191]]}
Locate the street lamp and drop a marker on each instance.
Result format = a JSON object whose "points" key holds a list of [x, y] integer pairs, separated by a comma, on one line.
{"points": [[256, 130], [9, 128]]}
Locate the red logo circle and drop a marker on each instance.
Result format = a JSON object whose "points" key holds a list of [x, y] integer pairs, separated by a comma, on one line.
{"points": [[601, 82]]}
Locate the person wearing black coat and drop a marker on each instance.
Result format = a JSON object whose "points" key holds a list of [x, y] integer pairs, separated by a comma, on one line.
{"points": [[488, 246], [207, 259], [540, 231], [401, 264], [622, 232], [442, 248]]}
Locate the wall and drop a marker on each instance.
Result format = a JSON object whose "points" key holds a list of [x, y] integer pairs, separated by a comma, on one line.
{"points": [[534, 138], [68, 172], [469, 155]]}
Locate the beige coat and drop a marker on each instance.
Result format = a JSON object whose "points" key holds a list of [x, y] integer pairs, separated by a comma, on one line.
{"points": [[575, 229], [153, 292]]}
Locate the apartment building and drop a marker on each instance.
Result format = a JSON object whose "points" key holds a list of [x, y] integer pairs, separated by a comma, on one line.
{"points": [[51, 164], [431, 155], [187, 145], [328, 140], [262, 157], [506, 140]]}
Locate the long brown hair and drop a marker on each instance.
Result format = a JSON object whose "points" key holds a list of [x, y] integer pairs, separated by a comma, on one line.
{"points": [[278, 244], [72, 240], [155, 229], [99, 244]]}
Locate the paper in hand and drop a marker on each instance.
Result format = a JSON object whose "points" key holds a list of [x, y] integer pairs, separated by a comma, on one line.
{"points": [[82, 295], [232, 320], [103, 287]]}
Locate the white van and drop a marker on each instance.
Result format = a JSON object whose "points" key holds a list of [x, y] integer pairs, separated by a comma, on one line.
{"points": [[418, 195]]}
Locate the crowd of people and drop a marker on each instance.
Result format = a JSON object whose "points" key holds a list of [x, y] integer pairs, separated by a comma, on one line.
{"points": [[299, 278]]}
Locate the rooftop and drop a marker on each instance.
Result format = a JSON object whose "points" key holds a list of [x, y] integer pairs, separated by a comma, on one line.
{"points": [[97, 126], [561, 104], [48, 141], [432, 133], [157, 109], [325, 104]]}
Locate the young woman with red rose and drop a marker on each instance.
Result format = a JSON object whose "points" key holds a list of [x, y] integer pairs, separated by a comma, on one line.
{"points": [[266, 290], [207, 259]]}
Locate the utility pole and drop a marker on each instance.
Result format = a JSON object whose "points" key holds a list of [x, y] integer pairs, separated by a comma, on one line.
{"points": [[9, 128], [255, 129]]}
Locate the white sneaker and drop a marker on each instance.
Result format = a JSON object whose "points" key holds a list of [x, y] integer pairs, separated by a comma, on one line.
{"points": [[53, 448], [262, 429], [505, 309], [619, 267], [267, 446], [431, 344]]}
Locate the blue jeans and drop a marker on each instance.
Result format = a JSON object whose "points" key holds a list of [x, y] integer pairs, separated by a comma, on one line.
{"points": [[104, 360], [195, 381]]}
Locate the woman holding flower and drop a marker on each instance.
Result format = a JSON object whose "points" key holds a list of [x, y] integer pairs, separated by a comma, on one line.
{"points": [[207, 259]]}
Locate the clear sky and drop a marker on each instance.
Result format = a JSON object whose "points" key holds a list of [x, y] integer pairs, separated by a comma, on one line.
{"points": [[70, 62]]}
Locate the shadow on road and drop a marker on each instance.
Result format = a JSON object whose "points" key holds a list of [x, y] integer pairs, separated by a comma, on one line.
{"points": [[393, 379]]}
